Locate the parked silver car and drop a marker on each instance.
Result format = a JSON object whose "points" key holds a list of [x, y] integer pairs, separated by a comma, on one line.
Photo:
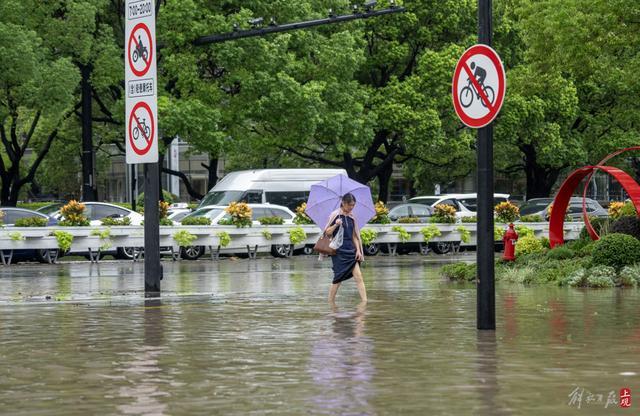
{"points": [[540, 206]]}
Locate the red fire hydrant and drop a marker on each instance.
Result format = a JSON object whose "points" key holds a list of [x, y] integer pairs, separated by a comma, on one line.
{"points": [[510, 237]]}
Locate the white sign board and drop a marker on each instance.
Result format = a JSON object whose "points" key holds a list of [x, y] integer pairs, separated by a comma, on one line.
{"points": [[141, 82]]}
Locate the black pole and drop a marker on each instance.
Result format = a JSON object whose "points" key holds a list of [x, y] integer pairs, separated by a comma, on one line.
{"points": [[134, 187], [486, 308], [88, 180], [152, 267], [262, 31]]}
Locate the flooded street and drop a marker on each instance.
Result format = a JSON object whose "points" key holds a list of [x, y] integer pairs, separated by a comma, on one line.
{"points": [[242, 337]]}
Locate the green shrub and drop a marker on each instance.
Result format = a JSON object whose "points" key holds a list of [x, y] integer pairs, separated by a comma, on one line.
{"points": [[464, 272], [630, 274], [626, 225], [116, 221], [616, 250], [469, 219], [445, 214], [184, 238], [196, 221], [16, 236], [368, 236], [561, 253], [409, 220], [225, 238], [601, 276], [465, 234], [227, 221], [429, 232], [600, 225], [576, 279], [532, 218], [515, 274], [524, 231], [545, 242], [166, 195], [527, 245], [506, 212], [166, 222], [104, 237], [73, 214], [267, 235], [64, 239], [271, 220], [553, 271], [34, 206], [31, 222], [297, 235], [404, 234]]}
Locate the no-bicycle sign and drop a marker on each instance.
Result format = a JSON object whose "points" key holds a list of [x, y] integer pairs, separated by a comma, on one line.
{"points": [[141, 82], [478, 86]]}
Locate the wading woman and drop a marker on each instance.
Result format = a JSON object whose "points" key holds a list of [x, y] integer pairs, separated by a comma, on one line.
{"points": [[346, 261]]}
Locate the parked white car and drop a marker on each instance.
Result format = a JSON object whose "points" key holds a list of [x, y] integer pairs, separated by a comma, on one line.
{"points": [[96, 211], [432, 201], [217, 212]]}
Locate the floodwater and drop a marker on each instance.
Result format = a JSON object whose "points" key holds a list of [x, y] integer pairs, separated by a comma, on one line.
{"points": [[257, 337]]}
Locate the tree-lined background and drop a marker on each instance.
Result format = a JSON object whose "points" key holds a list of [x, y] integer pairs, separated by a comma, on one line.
{"points": [[361, 95]]}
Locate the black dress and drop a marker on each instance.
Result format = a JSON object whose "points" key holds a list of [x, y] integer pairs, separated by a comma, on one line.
{"points": [[344, 260]]}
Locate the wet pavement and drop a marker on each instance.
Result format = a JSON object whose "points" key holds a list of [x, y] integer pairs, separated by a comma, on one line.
{"points": [[242, 337]]}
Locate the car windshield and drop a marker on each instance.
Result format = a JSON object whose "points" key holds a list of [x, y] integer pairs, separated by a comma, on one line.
{"points": [[221, 198], [533, 207], [49, 209], [425, 201]]}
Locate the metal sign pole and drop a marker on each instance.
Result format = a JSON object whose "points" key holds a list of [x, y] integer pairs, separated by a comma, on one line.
{"points": [[486, 310], [152, 266]]}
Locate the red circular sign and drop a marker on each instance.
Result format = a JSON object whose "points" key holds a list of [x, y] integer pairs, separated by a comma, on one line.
{"points": [[478, 86], [141, 128], [140, 51]]}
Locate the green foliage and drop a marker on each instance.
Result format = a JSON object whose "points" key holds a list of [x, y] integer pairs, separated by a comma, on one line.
{"points": [[166, 222], [462, 272], [409, 220], [629, 275], [560, 253], [444, 214], [196, 221], [168, 197], [266, 234], [224, 237], [225, 221], [524, 231], [403, 233], [184, 238], [104, 236], [16, 236], [600, 225], [601, 276], [73, 214], [114, 222], [498, 232], [297, 235], [532, 218], [616, 250], [469, 219], [271, 220], [430, 232], [368, 236], [34, 206], [527, 245], [629, 225], [64, 238], [465, 234], [506, 212], [31, 222]]}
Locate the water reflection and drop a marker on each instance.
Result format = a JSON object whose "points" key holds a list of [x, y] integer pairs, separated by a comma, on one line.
{"points": [[486, 384], [341, 365], [147, 383]]}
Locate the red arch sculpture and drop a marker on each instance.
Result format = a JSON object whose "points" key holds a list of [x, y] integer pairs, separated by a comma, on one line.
{"points": [[561, 201]]}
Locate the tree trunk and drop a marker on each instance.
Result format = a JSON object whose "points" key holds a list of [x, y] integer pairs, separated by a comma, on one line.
{"points": [[212, 170], [540, 179], [88, 180], [384, 177]]}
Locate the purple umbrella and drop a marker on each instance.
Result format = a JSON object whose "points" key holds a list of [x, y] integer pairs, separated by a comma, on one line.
{"points": [[325, 198]]}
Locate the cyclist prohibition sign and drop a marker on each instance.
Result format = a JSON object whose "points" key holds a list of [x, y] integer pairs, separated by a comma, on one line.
{"points": [[141, 128], [478, 86]]}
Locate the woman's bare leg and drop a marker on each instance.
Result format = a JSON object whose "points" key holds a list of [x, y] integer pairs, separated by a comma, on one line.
{"points": [[357, 274], [332, 293]]}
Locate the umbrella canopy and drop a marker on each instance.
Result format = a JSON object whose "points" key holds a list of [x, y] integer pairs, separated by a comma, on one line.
{"points": [[325, 197]]}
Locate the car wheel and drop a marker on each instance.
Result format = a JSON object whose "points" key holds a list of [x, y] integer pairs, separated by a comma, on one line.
{"points": [[41, 255], [442, 247], [126, 253], [280, 250], [192, 252], [371, 249], [307, 250]]}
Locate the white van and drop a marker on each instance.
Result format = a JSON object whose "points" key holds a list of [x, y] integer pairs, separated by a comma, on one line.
{"points": [[288, 187]]}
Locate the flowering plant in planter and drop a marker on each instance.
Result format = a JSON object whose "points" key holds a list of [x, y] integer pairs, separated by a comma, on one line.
{"points": [[241, 214]]}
